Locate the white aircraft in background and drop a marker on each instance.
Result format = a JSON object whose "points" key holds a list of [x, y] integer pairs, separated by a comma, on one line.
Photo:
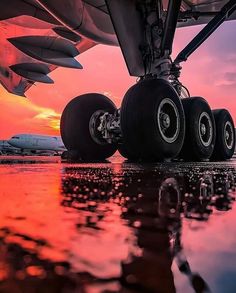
{"points": [[35, 142]]}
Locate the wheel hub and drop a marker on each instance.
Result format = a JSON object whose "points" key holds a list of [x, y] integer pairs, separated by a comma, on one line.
{"points": [[228, 135], [165, 120], [94, 129], [168, 120], [205, 129], [105, 127]]}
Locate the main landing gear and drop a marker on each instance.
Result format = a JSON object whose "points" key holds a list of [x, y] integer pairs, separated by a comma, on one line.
{"points": [[153, 124], [156, 121]]}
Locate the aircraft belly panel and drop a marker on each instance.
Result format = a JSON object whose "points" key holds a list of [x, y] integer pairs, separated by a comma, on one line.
{"points": [[203, 6], [205, 2], [83, 18]]}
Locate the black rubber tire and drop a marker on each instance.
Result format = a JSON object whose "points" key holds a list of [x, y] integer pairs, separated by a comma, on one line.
{"points": [[139, 124], [72, 155], [221, 151], [193, 148], [75, 127]]}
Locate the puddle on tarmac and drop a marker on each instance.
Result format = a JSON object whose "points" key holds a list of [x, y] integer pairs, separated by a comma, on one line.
{"points": [[117, 227]]}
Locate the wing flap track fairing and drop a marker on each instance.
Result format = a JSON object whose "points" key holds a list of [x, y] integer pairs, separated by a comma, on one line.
{"points": [[52, 50]]}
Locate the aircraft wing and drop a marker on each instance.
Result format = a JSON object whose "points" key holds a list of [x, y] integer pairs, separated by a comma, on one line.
{"points": [[29, 55], [37, 36], [195, 12], [33, 45]]}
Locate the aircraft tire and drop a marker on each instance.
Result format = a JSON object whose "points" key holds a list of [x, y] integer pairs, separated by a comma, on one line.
{"points": [[152, 121], [200, 134], [225, 135], [71, 155], [76, 131]]}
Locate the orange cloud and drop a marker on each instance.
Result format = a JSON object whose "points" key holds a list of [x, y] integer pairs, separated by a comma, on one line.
{"points": [[20, 115]]}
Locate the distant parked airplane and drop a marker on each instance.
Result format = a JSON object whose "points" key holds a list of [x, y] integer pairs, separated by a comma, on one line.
{"points": [[36, 142]]}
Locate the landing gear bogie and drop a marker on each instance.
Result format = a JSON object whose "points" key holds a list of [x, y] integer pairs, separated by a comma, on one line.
{"points": [[150, 126]]}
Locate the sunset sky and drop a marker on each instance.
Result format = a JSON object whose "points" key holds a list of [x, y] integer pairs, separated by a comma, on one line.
{"points": [[210, 72]]}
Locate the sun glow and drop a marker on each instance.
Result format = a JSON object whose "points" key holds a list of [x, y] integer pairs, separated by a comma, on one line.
{"points": [[23, 115], [55, 124], [51, 117]]}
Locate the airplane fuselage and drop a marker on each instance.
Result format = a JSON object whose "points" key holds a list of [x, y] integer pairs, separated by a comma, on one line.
{"points": [[37, 142]]}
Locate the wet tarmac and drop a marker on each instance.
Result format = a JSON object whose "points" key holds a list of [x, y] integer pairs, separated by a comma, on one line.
{"points": [[116, 227]]}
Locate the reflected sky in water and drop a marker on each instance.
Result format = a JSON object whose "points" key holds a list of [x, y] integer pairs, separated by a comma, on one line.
{"points": [[116, 227]]}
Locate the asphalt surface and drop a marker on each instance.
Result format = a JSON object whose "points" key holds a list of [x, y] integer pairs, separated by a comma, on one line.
{"points": [[116, 226]]}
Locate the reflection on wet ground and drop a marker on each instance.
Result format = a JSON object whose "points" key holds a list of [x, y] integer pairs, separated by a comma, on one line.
{"points": [[116, 227]]}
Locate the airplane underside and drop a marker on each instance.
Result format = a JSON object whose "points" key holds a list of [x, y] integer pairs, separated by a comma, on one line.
{"points": [[158, 119]]}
